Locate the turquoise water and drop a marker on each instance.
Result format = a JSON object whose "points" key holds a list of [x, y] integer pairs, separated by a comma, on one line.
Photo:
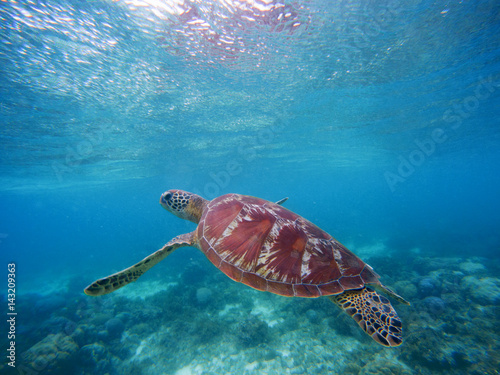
{"points": [[379, 121]]}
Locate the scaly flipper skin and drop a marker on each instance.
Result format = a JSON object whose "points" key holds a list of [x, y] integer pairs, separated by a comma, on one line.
{"points": [[373, 313], [116, 281]]}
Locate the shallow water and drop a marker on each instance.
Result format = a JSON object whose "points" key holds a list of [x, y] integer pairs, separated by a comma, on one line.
{"points": [[378, 120]]}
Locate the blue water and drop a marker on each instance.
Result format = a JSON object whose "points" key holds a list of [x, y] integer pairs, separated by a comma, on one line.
{"points": [[379, 121]]}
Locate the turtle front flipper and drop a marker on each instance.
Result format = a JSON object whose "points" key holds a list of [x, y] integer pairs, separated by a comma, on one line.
{"points": [[374, 314], [117, 280]]}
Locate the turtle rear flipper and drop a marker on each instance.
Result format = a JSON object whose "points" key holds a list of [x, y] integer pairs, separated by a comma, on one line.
{"points": [[117, 280], [281, 201], [374, 314]]}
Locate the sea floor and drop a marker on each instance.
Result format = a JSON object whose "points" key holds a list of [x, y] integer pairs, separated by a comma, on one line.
{"points": [[200, 322]]}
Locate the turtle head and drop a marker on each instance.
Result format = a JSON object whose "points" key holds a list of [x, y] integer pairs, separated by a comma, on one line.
{"points": [[182, 204]]}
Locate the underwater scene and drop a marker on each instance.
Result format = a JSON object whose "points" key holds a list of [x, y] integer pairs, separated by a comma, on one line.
{"points": [[133, 130]]}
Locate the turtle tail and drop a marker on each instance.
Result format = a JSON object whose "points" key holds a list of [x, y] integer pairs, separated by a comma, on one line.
{"points": [[373, 313]]}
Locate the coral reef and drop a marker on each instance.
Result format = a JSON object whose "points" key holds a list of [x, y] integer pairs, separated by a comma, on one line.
{"points": [[203, 295], [484, 290], [95, 357], [54, 355], [428, 286], [114, 327], [220, 327], [252, 332], [434, 305]]}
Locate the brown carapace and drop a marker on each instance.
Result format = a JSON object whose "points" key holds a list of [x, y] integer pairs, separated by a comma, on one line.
{"points": [[267, 247]]}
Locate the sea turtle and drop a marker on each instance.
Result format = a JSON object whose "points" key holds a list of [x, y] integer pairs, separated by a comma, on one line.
{"points": [[265, 246]]}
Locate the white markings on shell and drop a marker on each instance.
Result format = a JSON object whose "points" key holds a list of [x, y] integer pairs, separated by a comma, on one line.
{"points": [[267, 253], [338, 257], [263, 266], [304, 269]]}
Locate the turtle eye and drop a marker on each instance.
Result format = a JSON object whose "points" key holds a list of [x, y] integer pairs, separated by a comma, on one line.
{"points": [[167, 196]]}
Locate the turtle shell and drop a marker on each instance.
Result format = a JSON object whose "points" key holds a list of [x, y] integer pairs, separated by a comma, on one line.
{"points": [[270, 248]]}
